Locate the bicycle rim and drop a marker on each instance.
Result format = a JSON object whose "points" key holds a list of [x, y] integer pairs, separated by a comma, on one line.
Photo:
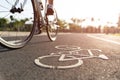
{"points": [[52, 27], [16, 22]]}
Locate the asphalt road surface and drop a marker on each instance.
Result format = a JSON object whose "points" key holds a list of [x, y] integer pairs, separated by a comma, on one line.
{"points": [[19, 64]]}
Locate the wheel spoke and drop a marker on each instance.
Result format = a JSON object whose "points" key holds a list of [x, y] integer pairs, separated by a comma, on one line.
{"points": [[24, 3], [16, 2], [4, 7], [6, 15], [4, 11], [8, 2], [16, 25]]}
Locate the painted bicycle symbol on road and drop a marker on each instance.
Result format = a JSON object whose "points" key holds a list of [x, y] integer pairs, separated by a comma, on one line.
{"points": [[68, 57]]}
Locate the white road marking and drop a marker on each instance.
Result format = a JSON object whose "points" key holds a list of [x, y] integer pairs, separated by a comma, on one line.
{"points": [[89, 51], [69, 55], [107, 40]]}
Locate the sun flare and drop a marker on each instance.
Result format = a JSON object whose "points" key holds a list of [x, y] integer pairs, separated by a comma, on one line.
{"points": [[103, 10]]}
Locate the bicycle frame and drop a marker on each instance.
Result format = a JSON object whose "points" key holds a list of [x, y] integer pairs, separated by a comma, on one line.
{"points": [[43, 20], [41, 17]]}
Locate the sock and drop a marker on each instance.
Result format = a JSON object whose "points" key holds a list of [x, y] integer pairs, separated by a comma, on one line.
{"points": [[50, 6]]}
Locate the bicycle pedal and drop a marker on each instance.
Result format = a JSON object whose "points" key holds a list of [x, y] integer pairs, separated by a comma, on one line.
{"points": [[37, 32]]}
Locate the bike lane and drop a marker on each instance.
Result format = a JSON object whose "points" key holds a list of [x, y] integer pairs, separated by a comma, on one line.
{"points": [[69, 53], [19, 64]]}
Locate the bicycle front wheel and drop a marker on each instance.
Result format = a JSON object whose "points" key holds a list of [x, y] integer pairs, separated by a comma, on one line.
{"points": [[52, 27], [16, 22]]}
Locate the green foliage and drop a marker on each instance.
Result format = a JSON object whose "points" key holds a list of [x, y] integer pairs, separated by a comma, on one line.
{"points": [[74, 27], [62, 24], [3, 22], [14, 24]]}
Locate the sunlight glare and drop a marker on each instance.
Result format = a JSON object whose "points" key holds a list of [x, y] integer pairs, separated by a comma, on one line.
{"points": [[105, 10]]}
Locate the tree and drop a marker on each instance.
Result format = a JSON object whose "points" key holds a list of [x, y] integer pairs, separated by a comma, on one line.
{"points": [[77, 21], [62, 23], [3, 23], [18, 25]]}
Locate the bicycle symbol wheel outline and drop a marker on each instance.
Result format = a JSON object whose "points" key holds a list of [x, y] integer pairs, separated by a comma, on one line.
{"points": [[69, 53], [79, 61]]}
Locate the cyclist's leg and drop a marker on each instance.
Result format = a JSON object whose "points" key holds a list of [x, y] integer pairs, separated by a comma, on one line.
{"points": [[51, 19], [50, 7], [50, 2]]}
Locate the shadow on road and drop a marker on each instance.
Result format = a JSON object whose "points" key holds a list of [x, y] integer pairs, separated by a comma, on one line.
{"points": [[38, 42], [3, 49]]}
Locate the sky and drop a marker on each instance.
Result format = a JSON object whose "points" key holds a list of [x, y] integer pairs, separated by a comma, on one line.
{"points": [[106, 10], [103, 10]]}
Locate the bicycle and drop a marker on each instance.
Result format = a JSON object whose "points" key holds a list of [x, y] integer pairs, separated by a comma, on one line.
{"points": [[69, 57], [21, 19]]}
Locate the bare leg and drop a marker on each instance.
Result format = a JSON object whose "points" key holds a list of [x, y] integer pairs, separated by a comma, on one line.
{"points": [[50, 2], [50, 7]]}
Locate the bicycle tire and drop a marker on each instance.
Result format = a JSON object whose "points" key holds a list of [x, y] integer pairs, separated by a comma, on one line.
{"points": [[52, 27], [16, 26]]}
